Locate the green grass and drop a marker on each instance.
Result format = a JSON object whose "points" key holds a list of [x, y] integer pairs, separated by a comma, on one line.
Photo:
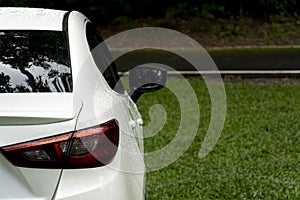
{"points": [[256, 157]]}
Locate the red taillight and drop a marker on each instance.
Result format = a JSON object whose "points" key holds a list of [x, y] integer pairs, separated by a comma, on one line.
{"points": [[92, 147]]}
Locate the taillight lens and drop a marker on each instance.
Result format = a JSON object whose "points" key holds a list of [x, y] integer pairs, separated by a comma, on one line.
{"points": [[91, 147]]}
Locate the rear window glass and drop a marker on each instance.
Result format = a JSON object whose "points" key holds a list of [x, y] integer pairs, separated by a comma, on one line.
{"points": [[34, 61]]}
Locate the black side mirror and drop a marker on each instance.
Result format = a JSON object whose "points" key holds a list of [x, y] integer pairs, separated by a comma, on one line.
{"points": [[145, 79]]}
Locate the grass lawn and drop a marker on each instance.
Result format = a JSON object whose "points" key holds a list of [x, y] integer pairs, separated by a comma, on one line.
{"points": [[256, 157]]}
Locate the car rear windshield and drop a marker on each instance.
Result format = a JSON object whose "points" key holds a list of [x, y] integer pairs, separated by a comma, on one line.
{"points": [[34, 61]]}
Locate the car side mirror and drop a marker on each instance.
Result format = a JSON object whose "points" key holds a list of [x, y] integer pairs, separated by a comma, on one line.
{"points": [[145, 79]]}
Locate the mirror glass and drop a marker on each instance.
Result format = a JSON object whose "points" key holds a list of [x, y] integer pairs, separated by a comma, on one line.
{"points": [[146, 79]]}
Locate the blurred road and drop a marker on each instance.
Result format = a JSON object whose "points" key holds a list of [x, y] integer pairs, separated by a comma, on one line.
{"points": [[257, 59], [229, 61]]}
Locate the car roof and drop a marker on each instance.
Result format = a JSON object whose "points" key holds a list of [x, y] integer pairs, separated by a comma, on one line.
{"points": [[17, 18]]}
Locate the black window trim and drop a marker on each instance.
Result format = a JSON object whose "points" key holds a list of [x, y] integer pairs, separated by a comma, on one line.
{"points": [[111, 69], [65, 28]]}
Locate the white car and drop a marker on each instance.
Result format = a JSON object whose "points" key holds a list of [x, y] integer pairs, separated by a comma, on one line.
{"points": [[68, 129]]}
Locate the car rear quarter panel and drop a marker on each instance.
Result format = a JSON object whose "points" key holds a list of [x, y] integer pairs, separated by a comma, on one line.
{"points": [[123, 178]]}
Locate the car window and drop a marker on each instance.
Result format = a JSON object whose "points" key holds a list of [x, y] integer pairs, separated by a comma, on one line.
{"points": [[34, 61], [100, 55]]}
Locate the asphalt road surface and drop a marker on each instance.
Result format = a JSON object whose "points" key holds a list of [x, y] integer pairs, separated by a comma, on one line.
{"points": [[228, 61]]}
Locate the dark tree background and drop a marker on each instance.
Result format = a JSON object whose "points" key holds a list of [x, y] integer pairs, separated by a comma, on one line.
{"points": [[106, 11]]}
